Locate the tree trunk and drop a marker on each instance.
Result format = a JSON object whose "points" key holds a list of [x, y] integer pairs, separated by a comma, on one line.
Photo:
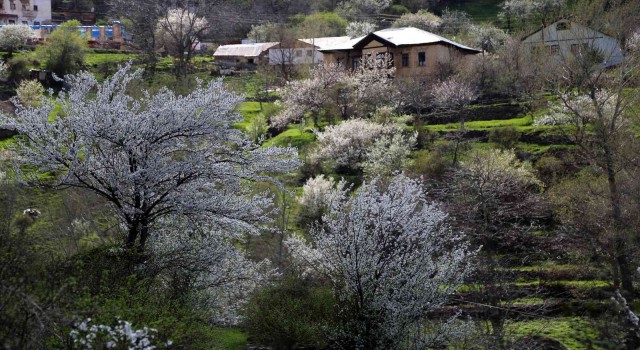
{"points": [[622, 259]]}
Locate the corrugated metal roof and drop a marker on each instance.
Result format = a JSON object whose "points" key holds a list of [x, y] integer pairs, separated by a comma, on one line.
{"points": [[402, 37], [325, 42], [243, 50]]}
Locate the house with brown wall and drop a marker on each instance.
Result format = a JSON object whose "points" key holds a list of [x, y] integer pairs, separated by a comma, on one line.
{"points": [[414, 52]]}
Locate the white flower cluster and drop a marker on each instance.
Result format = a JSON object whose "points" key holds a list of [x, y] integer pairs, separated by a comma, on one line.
{"points": [[378, 149], [122, 336]]}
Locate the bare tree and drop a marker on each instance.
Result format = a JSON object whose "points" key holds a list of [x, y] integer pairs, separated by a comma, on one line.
{"points": [[178, 32]]}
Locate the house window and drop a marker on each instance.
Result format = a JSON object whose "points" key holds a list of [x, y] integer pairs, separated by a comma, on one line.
{"points": [[250, 60], [355, 63], [12, 21], [24, 7], [309, 53], [12, 6], [36, 23], [553, 49], [25, 22], [563, 26], [35, 7], [405, 60], [422, 58], [298, 53]]}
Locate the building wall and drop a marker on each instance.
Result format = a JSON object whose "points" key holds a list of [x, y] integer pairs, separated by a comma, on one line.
{"points": [[563, 39], [435, 56], [26, 12], [295, 53]]}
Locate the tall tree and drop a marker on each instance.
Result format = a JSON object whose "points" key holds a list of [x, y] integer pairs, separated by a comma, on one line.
{"points": [[149, 158], [600, 110]]}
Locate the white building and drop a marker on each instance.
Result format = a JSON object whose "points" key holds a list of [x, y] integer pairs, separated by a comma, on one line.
{"points": [[565, 39], [303, 51], [31, 12]]}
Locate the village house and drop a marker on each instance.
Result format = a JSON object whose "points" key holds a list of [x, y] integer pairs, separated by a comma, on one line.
{"points": [[564, 39], [303, 51], [412, 51], [239, 54], [30, 12]]}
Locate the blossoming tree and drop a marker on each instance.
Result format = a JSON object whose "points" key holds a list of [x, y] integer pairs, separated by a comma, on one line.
{"points": [[158, 156]]}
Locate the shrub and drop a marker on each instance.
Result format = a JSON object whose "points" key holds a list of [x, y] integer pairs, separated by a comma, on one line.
{"points": [[290, 314], [505, 138], [65, 49], [30, 93], [258, 127], [19, 67], [549, 168], [431, 165]]}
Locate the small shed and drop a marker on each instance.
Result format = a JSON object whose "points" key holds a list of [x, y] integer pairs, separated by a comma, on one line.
{"points": [[239, 54]]}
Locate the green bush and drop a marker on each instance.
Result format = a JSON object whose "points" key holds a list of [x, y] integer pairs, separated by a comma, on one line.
{"points": [[19, 67], [289, 314], [65, 50], [505, 138], [30, 93], [549, 168], [432, 165]]}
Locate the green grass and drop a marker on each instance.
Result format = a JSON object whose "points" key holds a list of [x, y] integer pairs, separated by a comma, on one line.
{"points": [[249, 110], [526, 301], [547, 266], [292, 136], [483, 124], [573, 332], [101, 58], [6, 143], [574, 284], [229, 339]]}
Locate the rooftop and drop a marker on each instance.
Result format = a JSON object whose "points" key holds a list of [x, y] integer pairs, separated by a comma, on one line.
{"points": [[244, 50], [400, 37]]}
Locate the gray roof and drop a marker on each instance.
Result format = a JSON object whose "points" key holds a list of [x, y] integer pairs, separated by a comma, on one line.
{"points": [[243, 50], [325, 42], [402, 37]]}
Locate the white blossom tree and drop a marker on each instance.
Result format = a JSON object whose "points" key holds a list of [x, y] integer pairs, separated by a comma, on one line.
{"points": [[333, 91], [422, 19], [151, 157], [178, 31], [358, 28], [359, 8], [13, 37], [391, 259]]}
